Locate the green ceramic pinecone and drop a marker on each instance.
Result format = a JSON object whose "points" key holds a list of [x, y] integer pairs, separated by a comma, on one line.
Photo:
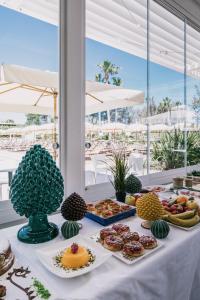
{"points": [[37, 186], [133, 184], [160, 229], [73, 208], [70, 229]]}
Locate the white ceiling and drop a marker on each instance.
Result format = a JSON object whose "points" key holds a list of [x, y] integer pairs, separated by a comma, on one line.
{"points": [[122, 24]]}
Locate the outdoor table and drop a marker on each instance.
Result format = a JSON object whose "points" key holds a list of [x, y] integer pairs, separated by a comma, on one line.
{"points": [[171, 273]]}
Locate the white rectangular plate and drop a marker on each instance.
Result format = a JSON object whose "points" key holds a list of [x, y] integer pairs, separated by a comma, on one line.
{"points": [[163, 188], [119, 255], [185, 228], [46, 256]]}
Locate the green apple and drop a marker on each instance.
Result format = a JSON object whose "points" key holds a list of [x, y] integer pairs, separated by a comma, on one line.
{"points": [[130, 200]]}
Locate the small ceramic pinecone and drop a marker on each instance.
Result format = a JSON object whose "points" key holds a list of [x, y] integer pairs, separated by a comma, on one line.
{"points": [[73, 208]]}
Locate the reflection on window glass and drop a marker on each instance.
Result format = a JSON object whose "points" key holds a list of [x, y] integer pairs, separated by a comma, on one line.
{"points": [[159, 130], [28, 93], [167, 107], [193, 95], [116, 63]]}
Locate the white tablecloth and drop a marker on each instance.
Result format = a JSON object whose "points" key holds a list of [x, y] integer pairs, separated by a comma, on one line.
{"points": [[171, 273]]}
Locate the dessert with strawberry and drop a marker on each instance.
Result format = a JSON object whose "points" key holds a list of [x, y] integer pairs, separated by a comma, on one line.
{"points": [[75, 256]]}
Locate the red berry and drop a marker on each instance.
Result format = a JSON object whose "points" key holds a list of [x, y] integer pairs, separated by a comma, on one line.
{"points": [[74, 248], [173, 207]]}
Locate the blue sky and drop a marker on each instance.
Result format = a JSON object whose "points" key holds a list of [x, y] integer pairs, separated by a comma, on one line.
{"points": [[33, 43]]}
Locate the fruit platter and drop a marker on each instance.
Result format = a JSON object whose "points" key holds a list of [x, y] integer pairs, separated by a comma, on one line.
{"points": [[125, 244], [182, 211], [189, 193], [108, 211]]}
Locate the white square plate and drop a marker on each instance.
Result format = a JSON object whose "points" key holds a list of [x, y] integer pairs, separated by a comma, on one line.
{"points": [[185, 228], [47, 254], [119, 255]]}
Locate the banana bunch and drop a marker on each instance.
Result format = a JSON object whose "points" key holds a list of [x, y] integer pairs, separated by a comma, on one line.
{"points": [[185, 219]]}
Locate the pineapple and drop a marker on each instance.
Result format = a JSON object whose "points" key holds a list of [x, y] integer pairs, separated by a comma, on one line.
{"points": [[149, 208]]}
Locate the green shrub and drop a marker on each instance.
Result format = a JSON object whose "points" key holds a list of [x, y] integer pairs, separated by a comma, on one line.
{"points": [[163, 151]]}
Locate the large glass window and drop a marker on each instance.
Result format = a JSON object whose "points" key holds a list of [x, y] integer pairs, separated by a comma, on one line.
{"points": [[193, 94], [116, 82], [141, 46], [28, 92], [167, 106]]}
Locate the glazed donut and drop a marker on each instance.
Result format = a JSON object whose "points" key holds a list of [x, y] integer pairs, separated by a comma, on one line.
{"points": [[133, 249], [113, 243], [120, 228], [130, 236], [106, 232], [148, 242]]}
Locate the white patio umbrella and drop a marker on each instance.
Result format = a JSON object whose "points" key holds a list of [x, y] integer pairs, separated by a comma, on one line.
{"points": [[177, 114], [12, 130], [91, 127], [115, 126], [137, 127], [28, 129], [104, 97], [160, 127], [29, 91], [34, 91]]}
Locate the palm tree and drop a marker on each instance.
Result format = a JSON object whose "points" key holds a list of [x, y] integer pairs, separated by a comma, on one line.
{"points": [[98, 77], [117, 81], [177, 103], [107, 69], [165, 105]]}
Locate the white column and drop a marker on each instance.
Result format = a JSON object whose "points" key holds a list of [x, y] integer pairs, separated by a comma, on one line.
{"points": [[72, 94]]}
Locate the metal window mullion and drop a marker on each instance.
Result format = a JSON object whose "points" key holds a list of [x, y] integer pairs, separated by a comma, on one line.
{"points": [[148, 92], [185, 93]]}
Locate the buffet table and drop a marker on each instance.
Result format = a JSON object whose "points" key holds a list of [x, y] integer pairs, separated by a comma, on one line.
{"points": [[171, 273]]}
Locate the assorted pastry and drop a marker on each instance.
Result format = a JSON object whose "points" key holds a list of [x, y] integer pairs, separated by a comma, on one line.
{"points": [[107, 208], [74, 258], [119, 237]]}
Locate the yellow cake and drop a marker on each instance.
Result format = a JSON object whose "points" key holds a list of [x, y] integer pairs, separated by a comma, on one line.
{"points": [[75, 256]]}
